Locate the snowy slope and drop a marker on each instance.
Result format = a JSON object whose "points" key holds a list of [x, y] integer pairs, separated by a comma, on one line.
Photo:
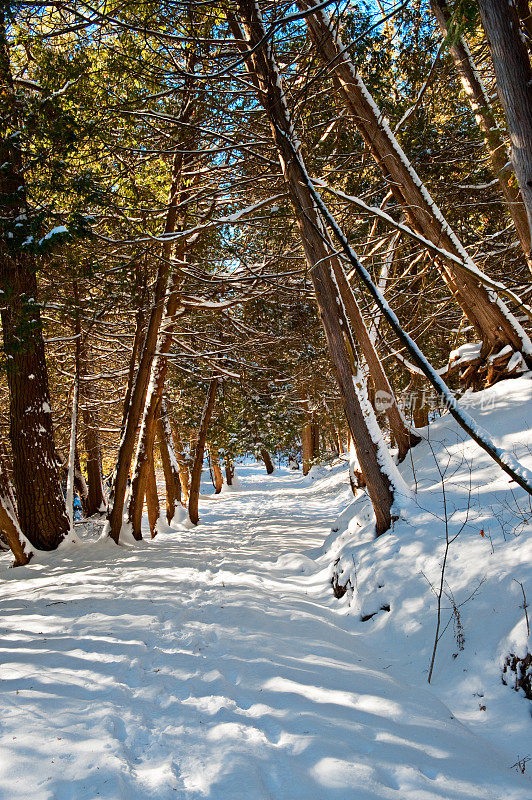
{"points": [[217, 663]]}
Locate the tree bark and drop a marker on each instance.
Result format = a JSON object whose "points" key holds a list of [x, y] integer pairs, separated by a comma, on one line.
{"points": [[184, 472], [513, 72], [489, 317], [152, 409], [138, 394], [267, 461], [195, 476], [9, 525], [216, 469], [318, 252], [40, 502], [170, 465], [481, 107], [152, 498], [404, 438], [229, 470]]}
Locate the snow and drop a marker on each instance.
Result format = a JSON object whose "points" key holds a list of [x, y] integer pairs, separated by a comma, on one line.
{"points": [[59, 229], [215, 662], [466, 352]]}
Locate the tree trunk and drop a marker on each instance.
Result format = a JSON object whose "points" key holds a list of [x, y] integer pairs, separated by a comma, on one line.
{"points": [[41, 506], [481, 107], [195, 476], [489, 317], [138, 394], [152, 409], [229, 470], [513, 73], [184, 472], [319, 253], [308, 442], [404, 438], [267, 461], [9, 525], [91, 438], [216, 469], [80, 484], [152, 498], [170, 465]]}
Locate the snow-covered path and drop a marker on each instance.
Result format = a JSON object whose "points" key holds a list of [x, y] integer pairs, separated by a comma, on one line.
{"points": [[211, 664]]}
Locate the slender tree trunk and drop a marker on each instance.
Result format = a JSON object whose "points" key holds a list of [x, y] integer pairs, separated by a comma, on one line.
{"points": [[513, 72], [307, 447], [229, 470], [490, 318], [184, 472], [195, 476], [170, 465], [138, 394], [481, 107], [404, 438], [41, 506], [152, 409], [80, 484], [91, 438], [318, 253], [152, 498], [216, 469]]}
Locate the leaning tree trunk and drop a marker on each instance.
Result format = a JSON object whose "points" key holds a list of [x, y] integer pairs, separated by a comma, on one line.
{"points": [[138, 394], [40, 503], [170, 465], [488, 315], [267, 461], [153, 407], [9, 525], [481, 107], [319, 253], [513, 73], [197, 466]]}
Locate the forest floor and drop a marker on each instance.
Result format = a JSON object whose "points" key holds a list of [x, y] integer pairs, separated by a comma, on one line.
{"points": [[216, 663]]}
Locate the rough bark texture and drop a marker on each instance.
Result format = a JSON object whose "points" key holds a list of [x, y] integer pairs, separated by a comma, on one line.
{"points": [[41, 506], [152, 498], [195, 475], [513, 72], [487, 317], [184, 472], [170, 467], [310, 436], [216, 469], [140, 387], [152, 410], [318, 253]]}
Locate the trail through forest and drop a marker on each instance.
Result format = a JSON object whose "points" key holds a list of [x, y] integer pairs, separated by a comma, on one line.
{"points": [[216, 663]]}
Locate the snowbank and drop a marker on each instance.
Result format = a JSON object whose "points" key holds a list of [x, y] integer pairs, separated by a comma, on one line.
{"points": [[390, 584]]}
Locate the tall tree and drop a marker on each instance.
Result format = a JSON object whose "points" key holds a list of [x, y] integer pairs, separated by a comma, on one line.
{"points": [[40, 503]]}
